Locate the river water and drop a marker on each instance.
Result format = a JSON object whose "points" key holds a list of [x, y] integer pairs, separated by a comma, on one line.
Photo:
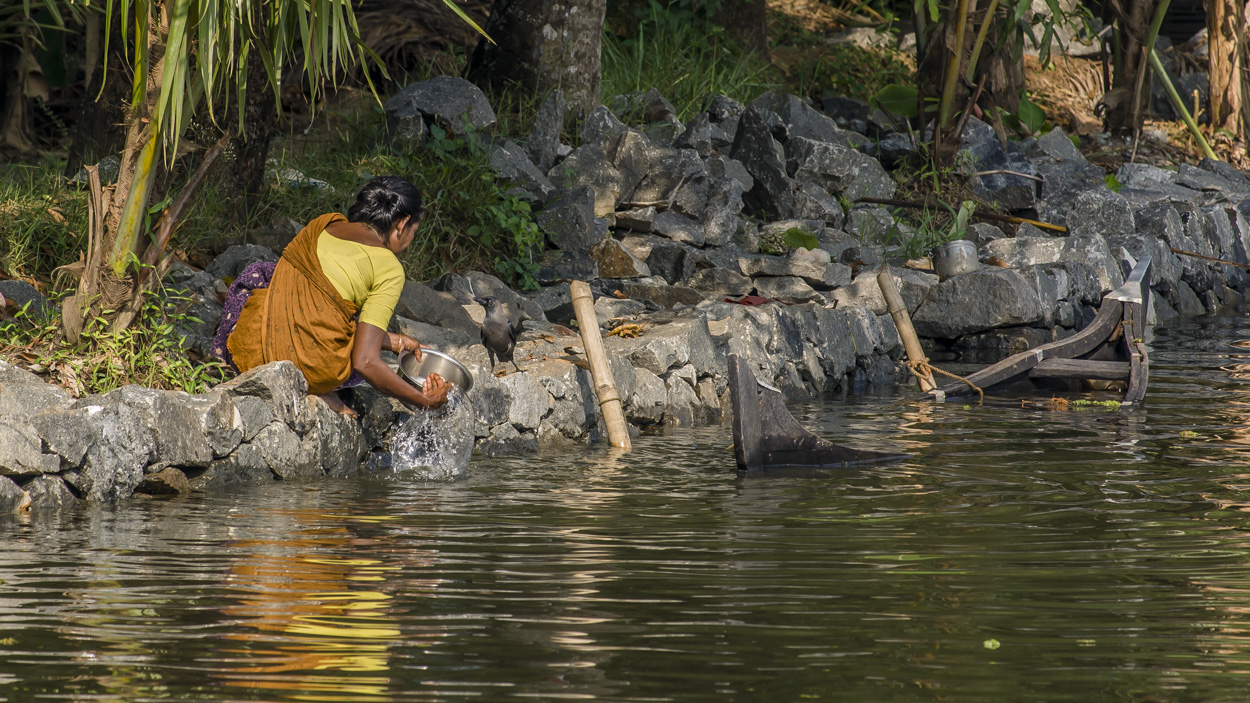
{"points": [[1026, 552]]}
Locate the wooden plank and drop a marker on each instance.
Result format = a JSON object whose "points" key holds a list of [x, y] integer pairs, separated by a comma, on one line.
{"points": [[744, 392], [1101, 327], [1081, 368]]}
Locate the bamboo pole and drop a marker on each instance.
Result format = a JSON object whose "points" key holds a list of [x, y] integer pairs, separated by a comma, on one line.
{"points": [[911, 343], [600, 372], [1180, 106]]}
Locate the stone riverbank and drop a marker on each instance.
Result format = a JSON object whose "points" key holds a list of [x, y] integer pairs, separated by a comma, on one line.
{"points": [[667, 220]]}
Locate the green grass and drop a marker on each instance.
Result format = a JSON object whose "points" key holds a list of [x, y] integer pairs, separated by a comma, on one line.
{"points": [[148, 353], [43, 220], [686, 63]]}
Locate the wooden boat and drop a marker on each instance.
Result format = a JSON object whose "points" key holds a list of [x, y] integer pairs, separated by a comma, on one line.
{"points": [[767, 435], [1110, 348]]}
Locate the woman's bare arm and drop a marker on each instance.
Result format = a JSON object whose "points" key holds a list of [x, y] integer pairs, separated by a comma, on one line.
{"points": [[367, 360]]}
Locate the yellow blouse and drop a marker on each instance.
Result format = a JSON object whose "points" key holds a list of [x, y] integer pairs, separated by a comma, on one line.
{"points": [[370, 277]]}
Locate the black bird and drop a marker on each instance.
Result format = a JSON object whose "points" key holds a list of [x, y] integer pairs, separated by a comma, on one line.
{"points": [[498, 333]]}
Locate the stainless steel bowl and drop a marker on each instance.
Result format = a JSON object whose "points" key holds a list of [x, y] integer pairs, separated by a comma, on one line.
{"points": [[437, 362]]}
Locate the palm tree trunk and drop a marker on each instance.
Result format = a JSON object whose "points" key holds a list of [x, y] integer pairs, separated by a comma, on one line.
{"points": [[1226, 42]]}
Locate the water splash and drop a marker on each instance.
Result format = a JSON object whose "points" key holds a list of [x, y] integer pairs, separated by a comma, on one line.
{"points": [[436, 444]]}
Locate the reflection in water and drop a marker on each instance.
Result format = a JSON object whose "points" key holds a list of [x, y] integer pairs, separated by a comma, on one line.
{"points": [[1024, 553], [315, 616]]}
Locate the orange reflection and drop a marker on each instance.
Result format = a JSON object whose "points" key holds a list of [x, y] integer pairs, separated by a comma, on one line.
{"points": [[320, 622]]}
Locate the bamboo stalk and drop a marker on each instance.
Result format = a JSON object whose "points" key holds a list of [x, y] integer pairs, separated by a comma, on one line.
{"points": [[600, 371], [979, 43], [1196, 255], [1179, 104], [911, 343], [983, 215], [952, 69]]}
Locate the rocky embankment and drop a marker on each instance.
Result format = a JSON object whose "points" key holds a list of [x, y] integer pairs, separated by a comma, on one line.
{"points": [[668, 220]]}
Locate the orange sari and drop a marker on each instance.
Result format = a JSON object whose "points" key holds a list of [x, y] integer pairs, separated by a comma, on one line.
{"points": [[300, 317]]}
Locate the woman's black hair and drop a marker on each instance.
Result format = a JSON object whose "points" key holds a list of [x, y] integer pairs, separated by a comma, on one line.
{"points": [[385, 200]]}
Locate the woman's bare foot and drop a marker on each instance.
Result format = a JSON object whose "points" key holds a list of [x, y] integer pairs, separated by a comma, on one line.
{"points": [[336, 403]]}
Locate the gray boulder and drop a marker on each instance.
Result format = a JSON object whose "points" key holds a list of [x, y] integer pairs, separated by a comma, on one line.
{"points": [[823, 275], [615, 261], [543, 143], [978, 301], [663, 296], [864, 291], [12, 497], [422, 303], [555, 266], [667, 171], [530, 402], [123, 444], [633, 156], [981, 233], [24, 395], [812, 202], [513, 165], [464, 288], [637, 220], [682, 342], [287, 455], [801, 119], [786, 288], [588, 166], [762, 155], [678, 228], [646, 405], [20, 453], [697, 135], [245, 465], [600, 126], [231, 262], [281, 385], [1201, 179], [683, 405], [717, 283], [568, 220], [1100, 212], [176, 426], [837, 169], [1065, 174], [644, 107], [49, 493], [723, 167], [722, 214], [446, 100]]}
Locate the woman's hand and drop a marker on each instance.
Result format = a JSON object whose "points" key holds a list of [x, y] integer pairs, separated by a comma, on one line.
{"points": [[401, 343], [436, 390]]}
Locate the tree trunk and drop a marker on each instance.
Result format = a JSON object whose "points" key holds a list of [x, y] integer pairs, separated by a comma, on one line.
{"points": [[251, 148], [1225, 43], [1121, 114], [745, 21], [15, 132], [98, 128], [543, 44]]}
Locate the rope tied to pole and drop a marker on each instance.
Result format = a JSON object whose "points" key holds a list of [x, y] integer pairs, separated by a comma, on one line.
{"points": [[921, 368]]}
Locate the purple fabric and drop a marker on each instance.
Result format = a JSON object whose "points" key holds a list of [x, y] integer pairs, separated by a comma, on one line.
{"points": [[253, 276]]}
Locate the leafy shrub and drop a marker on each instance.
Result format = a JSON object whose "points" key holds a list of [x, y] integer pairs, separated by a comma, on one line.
{"points": [[148, 353]]}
